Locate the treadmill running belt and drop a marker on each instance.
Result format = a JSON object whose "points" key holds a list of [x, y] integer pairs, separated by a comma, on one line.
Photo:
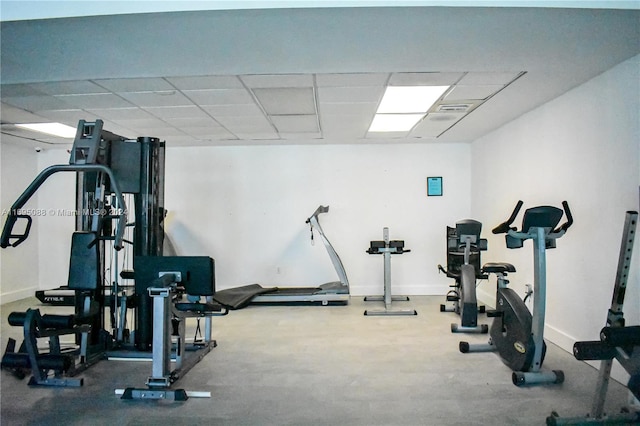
{"points": [[239, 297], [283, 291]]}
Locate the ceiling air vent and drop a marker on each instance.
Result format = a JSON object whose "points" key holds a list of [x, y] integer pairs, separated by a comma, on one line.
{"points": [[454, 107]]}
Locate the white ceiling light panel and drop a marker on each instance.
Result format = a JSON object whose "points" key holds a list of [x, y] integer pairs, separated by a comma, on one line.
{"points": [[409, 99], [54, 129], [394, 122], [402, 107], [424, 78]]}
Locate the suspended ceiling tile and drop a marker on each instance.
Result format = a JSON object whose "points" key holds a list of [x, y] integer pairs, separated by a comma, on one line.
{"points": [[300, 136], [284, 101], [190, 111], [188, 123], [352, 79], [118, 85], [11, 114], [156, 99], [56, 141], [206, 82], [424, 78], [277, 80], [19, 90], [246, 124], [471, 92], [78, 87], [143, 123], [184, 140], [119, 113], [346, 126], [366, 109], [208, 132], [94, 100], [37, 102], [295, 123], [435, 123], [69, 117], [233, 110], [160, 132], [257, 135], [126, 132], [217, 134], [219, 96], [482, 78], [350, 94]]}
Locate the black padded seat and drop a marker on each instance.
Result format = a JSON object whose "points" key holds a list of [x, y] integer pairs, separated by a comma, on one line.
{"points": [[498, 267]]}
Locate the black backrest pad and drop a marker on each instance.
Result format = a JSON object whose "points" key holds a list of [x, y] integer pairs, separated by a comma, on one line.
{"points": [[469, 227], [198, 275], [83, 262], [541, 217]]}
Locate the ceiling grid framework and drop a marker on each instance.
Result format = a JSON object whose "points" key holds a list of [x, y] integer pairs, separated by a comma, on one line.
{"points": [[223, 77], [245, 109]]}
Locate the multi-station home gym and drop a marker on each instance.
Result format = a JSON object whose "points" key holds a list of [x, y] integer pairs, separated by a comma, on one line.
{"points": [[227, 229]]}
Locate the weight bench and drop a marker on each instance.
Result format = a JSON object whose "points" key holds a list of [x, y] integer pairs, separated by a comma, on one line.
{"points": [[55, 367]]}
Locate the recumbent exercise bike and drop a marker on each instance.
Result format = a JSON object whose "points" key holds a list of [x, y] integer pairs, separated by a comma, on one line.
{"points": [[463, 265]]}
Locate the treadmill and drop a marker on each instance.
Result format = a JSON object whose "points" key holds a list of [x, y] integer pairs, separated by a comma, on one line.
{"points": [[336, 292]]}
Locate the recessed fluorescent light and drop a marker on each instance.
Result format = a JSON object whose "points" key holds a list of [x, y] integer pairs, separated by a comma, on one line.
{"points": [[402, 107], [394, 122], [55, 129], [409, 99]]}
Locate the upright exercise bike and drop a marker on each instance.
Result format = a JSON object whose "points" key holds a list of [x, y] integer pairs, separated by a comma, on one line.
{"points": [[517, 334]]}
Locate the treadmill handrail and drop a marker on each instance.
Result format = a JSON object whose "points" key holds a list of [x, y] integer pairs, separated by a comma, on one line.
{"points": [[335, 259], [12, 217]]}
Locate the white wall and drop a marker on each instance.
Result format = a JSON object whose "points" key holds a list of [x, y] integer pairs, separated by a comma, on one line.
{"points": [[583, 147], [247, 206], [19, 266], [55, 197]]}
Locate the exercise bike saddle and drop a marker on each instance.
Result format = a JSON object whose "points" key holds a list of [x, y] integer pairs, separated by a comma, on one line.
{"points": [[493, 267]]}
